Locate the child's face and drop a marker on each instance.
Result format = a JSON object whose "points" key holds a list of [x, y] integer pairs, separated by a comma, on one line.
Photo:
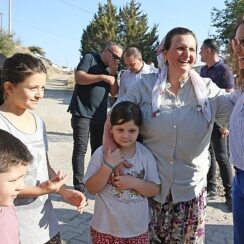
{"points": [[11, 182], [125, 134], [27, 94]]}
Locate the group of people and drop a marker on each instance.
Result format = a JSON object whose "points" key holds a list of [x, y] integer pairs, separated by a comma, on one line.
{"points": [[153, 191]]}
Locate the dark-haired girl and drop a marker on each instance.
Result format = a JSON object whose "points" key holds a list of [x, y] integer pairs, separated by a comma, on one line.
{"points": [[121, 213]]}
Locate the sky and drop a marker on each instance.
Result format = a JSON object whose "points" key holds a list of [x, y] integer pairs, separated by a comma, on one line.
{"points": [[57, 25]]}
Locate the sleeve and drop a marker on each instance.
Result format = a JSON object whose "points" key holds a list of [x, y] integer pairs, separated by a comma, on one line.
{"points": [[44, 130], [4, 126], [122, 90], [228, 78], [45, 137], [224, 105], [94, 164], [85, 63], [151, 167], [134, 94], [233, 96], [224, 110]]}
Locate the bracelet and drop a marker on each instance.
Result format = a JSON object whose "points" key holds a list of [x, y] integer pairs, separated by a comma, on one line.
{"points": [[108, 164]]}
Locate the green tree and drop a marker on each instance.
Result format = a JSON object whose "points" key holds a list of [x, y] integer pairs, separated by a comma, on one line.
{"points": [[7, 44], [37, 50], [129, 27], [134, 30], [103, 28], [224, 20]]}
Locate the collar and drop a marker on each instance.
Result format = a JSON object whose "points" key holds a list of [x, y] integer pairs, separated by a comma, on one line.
{"points": [[215, 65], [140, 68]]}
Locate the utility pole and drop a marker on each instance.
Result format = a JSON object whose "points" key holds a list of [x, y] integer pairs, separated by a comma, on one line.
{"points": [[1, 19], [9, 17]]}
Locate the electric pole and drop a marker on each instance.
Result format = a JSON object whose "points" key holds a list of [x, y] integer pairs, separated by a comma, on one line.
{"points": [[9, 17], [1, 19]]}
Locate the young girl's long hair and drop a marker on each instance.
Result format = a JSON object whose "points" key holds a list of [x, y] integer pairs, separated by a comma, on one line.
{"points": [[124, 112], [17, 68], [240, 72]]}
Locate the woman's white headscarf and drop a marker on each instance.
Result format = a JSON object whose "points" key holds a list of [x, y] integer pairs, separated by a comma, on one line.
{"points": [[158, 92]]}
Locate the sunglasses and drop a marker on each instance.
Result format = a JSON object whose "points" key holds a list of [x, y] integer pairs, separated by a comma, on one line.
{"points": [[114, 56], [239, 42]]}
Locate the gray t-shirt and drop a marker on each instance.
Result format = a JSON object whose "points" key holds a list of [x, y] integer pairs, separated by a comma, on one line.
{"points": [[37, 219], [123, 213]]}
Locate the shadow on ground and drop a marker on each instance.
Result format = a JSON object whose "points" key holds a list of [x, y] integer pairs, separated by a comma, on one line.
{"points": [[59, 137], [218, 205], [62, 94], [216, 234], [74, 227]]}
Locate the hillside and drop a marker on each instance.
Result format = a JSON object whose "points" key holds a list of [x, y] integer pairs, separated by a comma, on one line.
{"points": [[52, 72]]}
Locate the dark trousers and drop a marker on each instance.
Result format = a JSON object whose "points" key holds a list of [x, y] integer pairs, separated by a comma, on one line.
{"points": [[219, 152], [82, 128]]}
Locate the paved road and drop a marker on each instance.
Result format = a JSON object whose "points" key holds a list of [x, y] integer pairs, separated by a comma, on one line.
{"points": [[74, 226]]}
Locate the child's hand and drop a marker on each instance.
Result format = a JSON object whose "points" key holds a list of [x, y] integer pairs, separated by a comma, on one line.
{"points": [[114, 158], [125, 182], [54, 184], [74, 198], [119, 170]]}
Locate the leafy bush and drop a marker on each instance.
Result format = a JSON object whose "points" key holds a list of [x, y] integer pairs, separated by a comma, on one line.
{"points": [[7, 44]]}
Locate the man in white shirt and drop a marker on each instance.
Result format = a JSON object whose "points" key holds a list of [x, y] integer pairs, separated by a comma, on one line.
{"points": [[135, 68]]}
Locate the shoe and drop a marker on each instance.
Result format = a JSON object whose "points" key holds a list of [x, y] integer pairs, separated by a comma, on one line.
{"points": [[211, 194], [228, 203]]}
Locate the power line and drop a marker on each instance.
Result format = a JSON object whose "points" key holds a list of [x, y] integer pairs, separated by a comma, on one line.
{"points": [[77, 7]]}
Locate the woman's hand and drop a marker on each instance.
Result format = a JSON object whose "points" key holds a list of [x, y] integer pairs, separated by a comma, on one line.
{"points": [[113, 158], [108, 141]]}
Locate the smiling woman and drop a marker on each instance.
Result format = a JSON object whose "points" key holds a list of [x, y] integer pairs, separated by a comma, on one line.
{"points": [[178, 117]]}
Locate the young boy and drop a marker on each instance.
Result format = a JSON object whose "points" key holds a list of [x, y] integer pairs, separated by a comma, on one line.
{"points": [[14, 159]]}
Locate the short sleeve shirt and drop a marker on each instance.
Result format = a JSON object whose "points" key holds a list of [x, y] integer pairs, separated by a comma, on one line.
{"points": [[90, 101], [9, 227], [220, 74], [124, 213]]}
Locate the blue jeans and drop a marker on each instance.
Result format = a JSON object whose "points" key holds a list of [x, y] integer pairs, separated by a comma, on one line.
{"points": [[82, 128], [219, 152], [238, 206]]}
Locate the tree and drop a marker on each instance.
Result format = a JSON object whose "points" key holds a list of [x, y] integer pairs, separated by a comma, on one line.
{"points": [[224, 20], [129, 27], [7, 44], [133, 30], [103, 28], [37, 50]]}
